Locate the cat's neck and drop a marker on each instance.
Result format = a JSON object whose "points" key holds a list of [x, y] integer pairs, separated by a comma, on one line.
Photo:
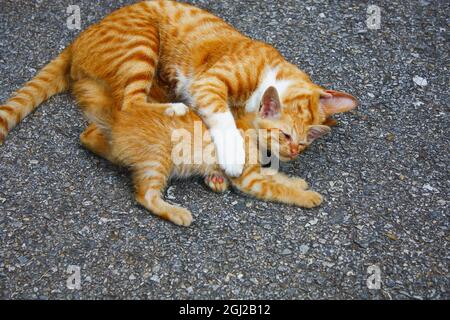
{"points": [[246, 121], [269, 78]]}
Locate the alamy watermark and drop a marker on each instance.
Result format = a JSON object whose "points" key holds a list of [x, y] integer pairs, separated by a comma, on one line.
{"points": [[374, 280], [74, 19], [196, 147], [74, 280], [373, 21]]}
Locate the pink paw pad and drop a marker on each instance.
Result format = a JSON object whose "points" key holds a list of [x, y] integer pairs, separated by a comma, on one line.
{"points": [[217, 183]]}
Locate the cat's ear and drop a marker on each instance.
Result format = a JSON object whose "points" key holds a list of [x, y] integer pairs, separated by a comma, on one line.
{"points": [[333, 102], [330, 122], [316, 131], [270, 104]]}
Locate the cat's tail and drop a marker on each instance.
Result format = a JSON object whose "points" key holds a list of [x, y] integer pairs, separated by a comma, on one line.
{"points": [[52, 79]]}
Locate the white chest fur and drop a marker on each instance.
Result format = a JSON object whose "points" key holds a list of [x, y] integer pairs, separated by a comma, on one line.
{"points": [[268, 79]]}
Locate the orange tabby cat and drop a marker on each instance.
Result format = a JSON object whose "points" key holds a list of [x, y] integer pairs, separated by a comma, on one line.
{"points": [[142, 139], [203, 60]]}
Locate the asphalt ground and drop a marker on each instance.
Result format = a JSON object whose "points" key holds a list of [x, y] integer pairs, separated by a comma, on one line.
{"points": [[384, 172]]}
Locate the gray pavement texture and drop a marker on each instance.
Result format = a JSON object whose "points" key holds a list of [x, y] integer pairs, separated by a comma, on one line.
{"points": [[383, 172]]}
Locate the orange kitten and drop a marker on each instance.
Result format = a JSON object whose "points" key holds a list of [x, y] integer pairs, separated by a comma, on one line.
{"points": [[207, 64], [142, 139]]}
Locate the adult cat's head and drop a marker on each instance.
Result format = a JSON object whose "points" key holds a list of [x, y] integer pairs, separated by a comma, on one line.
{"points": [[299, 117]]}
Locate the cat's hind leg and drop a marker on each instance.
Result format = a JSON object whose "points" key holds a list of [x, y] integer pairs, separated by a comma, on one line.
{"points": [[96, 102], [95, 140], [94, 99], [124, 58], [150, 178]]}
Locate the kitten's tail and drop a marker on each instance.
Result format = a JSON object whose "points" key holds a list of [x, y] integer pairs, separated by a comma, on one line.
{"points": [[52, 79]]}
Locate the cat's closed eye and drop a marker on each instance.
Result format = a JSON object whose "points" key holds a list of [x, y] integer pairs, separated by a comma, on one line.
{"points": [[286, 136]]}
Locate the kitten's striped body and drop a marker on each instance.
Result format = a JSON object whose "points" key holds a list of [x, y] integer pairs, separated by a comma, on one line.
{"points": [[197, 56], [142, 139]]}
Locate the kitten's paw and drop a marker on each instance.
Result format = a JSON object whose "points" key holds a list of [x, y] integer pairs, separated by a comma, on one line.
{"points": [[217, 182], [230, 150], [180, 216], [301, 184], [177, 109], [309, 199]]}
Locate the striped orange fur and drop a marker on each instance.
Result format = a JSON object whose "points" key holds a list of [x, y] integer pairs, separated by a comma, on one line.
{"points": [[202, 60], [141, 139]]}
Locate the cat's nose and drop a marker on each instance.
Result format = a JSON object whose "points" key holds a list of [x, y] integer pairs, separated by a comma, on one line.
{"points": [[294, 151]]}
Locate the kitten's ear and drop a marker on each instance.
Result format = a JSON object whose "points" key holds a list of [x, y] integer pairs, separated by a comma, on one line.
{"points": [[316, 131], [270, 104], [333, 102], [330, 122]]}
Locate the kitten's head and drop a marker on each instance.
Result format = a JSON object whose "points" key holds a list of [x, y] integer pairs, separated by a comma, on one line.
{"points": [[298, 119]]}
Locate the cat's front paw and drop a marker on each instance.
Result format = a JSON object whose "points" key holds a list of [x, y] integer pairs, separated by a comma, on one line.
{"points": [[230, 150], [216, 182], [176, 109], [180, 216], [309, 199], [300, 184]]}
